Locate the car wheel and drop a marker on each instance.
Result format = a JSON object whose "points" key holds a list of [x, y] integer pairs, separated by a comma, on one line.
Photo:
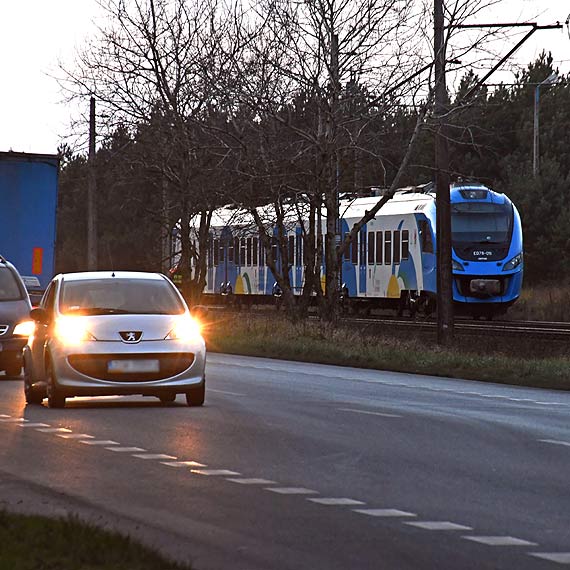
{"points": [[167, 398], [33, 395], [56, 398], [196, 396]]}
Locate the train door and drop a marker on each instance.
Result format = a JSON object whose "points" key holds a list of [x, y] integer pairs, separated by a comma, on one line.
{"points": [[362, 237], [262, 270], [426, 240], [349, 262]]}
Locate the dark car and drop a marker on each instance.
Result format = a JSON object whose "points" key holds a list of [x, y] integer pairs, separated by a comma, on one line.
{"points": [[15, 322]]}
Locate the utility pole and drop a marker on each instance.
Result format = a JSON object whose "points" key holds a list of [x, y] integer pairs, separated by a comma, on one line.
{"points": [[443, 209], [91, 194]]}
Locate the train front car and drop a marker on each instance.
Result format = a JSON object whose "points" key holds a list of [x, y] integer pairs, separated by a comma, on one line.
{"points": [[487, 244]]}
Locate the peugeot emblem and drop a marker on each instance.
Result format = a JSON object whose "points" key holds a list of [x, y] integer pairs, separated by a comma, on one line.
{"points": [[131, 336]]}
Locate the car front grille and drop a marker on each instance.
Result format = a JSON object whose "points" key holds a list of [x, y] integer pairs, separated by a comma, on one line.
{"points": [[4, 329], [96, 366]]}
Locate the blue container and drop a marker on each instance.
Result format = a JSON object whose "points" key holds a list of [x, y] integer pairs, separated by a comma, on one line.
{"points": [[28, 204]]}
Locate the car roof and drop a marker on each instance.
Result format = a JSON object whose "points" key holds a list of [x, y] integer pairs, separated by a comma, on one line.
{"points": [[104, 275]]}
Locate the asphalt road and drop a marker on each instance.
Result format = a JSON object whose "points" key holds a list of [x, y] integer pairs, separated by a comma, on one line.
{"points": [[307, 466]]}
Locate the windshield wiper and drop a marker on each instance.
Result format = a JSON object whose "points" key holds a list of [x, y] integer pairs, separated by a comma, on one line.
{"points": [[489, 241]]}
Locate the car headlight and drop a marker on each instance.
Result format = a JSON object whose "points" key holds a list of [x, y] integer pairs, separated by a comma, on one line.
{"points": [[456, 266], [186, 329], [25, 328], [514, 262], [72, 330]]}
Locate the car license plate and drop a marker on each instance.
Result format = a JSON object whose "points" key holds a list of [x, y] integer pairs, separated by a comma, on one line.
{"points": [[149, 365]]}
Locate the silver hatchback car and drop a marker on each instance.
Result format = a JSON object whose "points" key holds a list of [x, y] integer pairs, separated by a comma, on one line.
{"points": [[114, 333]]}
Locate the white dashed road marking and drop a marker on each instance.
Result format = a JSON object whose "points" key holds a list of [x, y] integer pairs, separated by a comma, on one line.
{"points": [[384, 513], [9, 420], [292, 491], [154, 456], [225, 392], [437, 525], [370, 413], [33, 425], [253, 481], [560, 557], [334, 501], [54, 430], [126, 449], [214, 472], [500, 540], [4, 416], [100, 442], [75, 436], [183, 464], [555, 442]]}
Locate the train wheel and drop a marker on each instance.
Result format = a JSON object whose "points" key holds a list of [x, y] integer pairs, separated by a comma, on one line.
{"points": [[413, 303]]}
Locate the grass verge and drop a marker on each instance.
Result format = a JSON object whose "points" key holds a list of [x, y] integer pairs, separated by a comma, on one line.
{"points": [[486, 359], [39, 543]]}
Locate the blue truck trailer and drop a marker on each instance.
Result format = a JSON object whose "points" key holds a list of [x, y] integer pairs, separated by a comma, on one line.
{"points": [[28, 204]]}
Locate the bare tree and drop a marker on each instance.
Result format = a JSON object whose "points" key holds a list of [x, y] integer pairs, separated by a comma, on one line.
{"points": [[153, 65]]}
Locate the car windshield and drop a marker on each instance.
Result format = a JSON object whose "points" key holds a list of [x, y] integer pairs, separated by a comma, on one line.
{"points": [[481, 222], [9, 289], [119, 296]]}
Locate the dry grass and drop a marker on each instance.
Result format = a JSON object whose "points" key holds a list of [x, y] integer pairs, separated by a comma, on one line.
{"points": [[543, 303], [313, 342]]}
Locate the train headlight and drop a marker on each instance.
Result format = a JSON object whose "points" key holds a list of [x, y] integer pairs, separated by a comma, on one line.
{"points": [[456, 266], [514, 262]]}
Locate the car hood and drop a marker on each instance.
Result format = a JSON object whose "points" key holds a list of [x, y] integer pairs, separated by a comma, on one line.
{"points": [[14, 311], [117, 327]]}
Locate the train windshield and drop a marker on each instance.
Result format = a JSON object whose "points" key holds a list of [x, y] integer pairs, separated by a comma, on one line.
{"points": [[477, 222]]}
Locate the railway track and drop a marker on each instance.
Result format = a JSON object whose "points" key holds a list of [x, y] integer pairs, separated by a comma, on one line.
{"points": [[512, 329], [527, 329]]}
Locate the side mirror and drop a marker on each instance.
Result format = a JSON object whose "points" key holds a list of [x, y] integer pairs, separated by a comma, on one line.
{"points": [[40, 316]]}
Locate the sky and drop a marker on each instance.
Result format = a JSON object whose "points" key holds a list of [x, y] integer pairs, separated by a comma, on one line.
{"points": [[36, 34]]}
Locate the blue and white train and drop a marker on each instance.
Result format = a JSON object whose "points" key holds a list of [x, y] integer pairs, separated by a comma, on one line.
{"points": [[393, 261]]}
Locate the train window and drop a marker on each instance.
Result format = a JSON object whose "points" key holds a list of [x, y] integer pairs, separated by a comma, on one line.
{"points": [[405, 244], [425, 236], [242, 252], [216, 252], [210, 256], [261, 252], [255, 249], [379, 249], [299, 251], [388, 248], [248, 246], [371, 250], [362, 237], [236, 251], [397, 246], [354, 250], [291, 250], [231, 250], [347, 250], [222, 250]]}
